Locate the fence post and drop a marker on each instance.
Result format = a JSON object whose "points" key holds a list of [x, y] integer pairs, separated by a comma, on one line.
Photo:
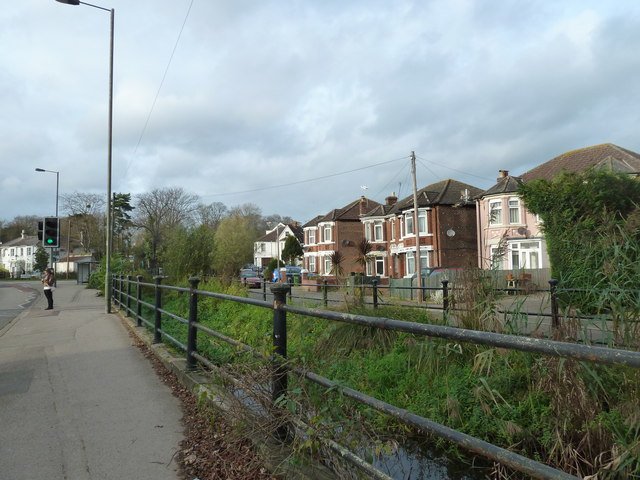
{"points": [[119, 296], [264, 290], [157, 338], [138, 304], [279, 375], [374, 287], [129, 277], [325, 295], [553, 293], [445, 297], [192, 340]]}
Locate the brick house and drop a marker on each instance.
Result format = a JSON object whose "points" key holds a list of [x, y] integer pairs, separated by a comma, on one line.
{"points": [[339, 230], [511, 237], [447, 230]]}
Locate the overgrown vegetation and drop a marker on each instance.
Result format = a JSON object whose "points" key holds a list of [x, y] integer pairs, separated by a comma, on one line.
{"points": [[580, 417]]}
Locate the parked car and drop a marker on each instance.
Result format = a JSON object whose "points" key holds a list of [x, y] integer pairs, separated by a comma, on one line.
{"points": [[250, 278], [293, 273]]}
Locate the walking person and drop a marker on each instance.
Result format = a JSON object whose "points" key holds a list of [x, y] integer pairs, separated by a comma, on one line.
{"points": [[49, 281]]}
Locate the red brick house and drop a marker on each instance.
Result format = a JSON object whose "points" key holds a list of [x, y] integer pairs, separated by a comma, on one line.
{"points": [[339, 230], [447, 230]]}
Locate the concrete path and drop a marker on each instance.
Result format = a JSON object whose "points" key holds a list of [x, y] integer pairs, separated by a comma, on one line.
{"points": [[78, 401]]}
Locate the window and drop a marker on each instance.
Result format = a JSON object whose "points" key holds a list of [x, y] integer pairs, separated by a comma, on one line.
{"points": [[377, 231], [327, 264], [367, 231], [312, 236], [497, 255], [495, 212], [312, 264], [514, 210], [411, 263], [380, 266], [408, 223], [29, 251], [393, 229], [525, 254], [422, 222], [327, 233]]}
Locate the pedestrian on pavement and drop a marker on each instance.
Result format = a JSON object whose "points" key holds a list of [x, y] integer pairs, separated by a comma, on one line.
{"points": [[49, 281]]}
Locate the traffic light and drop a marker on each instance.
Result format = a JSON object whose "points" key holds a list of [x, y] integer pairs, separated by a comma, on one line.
{"points": [[40, 230], [50, 237]]}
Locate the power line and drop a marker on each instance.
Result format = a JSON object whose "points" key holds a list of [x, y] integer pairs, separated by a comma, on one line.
{"points": [[303, 181], [459, 171], [164, 76]]}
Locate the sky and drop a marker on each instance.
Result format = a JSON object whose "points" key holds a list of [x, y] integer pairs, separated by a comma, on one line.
{"points": [[301, 107]]}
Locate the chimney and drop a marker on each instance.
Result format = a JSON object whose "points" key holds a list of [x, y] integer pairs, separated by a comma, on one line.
{"points": [[294, 224], [502, 174], [363, 205], [391, 199], [22, 234]]}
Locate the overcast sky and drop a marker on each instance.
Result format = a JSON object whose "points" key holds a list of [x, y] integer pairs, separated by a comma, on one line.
{"points": [[231, 99]]}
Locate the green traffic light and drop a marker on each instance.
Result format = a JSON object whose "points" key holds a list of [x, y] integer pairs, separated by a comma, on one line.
{"points": [[49, 241]]}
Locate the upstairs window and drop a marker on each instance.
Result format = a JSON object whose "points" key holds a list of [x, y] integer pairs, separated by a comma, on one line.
{"points": [[514, 211], [377, 231], [327, 233], [495, 212], [312, 236]]}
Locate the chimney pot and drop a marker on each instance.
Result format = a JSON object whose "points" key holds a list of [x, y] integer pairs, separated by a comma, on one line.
{"points": [[502, 174], [391, 199]]}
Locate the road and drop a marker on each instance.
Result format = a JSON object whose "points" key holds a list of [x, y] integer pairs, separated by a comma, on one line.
{"points": [[15, 297]]}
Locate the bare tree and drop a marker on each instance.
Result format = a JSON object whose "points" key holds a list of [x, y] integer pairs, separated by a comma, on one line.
{"points": [[86, 213], [211, 215], [158, 212]]}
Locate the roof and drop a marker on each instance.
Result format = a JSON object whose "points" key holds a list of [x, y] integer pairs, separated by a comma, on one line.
{"points": [[271, 236], [445, 192], [350, 212], [508, 184], [604, 156], [26, 241]]}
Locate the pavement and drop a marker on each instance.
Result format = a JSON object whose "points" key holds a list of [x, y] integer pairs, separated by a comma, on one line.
{"points": [[78, 401]]}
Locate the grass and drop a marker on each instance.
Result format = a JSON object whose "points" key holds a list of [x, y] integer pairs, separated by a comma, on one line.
{"points": [[580, 417]]}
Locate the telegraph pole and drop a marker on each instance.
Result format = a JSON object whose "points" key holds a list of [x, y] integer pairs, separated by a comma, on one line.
{"points": [[416, 226]]}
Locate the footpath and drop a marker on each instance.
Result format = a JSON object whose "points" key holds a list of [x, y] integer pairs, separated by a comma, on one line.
{"points": [[78, 401]]}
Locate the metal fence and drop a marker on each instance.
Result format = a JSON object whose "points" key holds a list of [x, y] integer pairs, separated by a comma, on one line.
{"points": [[131, 302]]}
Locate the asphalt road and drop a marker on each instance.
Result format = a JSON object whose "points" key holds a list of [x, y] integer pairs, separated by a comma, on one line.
{"points": [[15, 297]]}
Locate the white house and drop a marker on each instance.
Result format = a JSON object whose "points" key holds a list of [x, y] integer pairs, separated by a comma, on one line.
{"points": [[19, 256], [271, 244]]}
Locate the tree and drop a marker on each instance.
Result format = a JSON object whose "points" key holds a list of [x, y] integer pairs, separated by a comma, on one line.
{"points": [[13, 229], [158, 213], [233, 245], [292, 250], [581, 214], [121, 223], [190, 253], [87, 216], [42, 259], [211, 215]]}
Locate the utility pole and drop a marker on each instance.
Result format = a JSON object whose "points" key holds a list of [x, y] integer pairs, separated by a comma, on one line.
{"points": [[416, 227]]}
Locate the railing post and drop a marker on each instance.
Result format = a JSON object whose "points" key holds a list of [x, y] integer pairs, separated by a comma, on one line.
{"points": [[157, 338], [119, 291], [553, 293], [445, 298], [138, 304], [264, 290], [325, 294], [374, 287], [279, 378], [129, 277], [192, 340]]}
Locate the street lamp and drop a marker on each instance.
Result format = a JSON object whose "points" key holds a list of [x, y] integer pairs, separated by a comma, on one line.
{"points": [[57, 183], [107, 281]]}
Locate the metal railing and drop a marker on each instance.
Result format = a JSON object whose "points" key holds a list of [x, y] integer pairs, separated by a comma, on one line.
{"points": [[122, 288]]}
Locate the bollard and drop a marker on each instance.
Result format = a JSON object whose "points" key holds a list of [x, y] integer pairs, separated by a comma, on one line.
{"points": [[553, 293], [138, 304], [264, 290], [445, 298], [375, 292], [157, 338], [325, 295], [279, 375], [129, 295], [192, 340]]}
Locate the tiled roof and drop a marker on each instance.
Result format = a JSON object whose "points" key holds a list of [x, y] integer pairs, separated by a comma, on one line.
{"points": [[506, 184], [349, 212], [606, 155], [297, 230], [445, 192]]}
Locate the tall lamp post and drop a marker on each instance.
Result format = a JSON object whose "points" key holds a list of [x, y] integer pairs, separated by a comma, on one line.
{"points": [[107, 280], [57, 183]]}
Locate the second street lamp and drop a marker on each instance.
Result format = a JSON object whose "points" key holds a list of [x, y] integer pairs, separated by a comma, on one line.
{"points": [[57, 183], [107, 283]]}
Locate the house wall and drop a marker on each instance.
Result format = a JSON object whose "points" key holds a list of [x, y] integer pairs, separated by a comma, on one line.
{"points": [[505, 232], [455, 237]]}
